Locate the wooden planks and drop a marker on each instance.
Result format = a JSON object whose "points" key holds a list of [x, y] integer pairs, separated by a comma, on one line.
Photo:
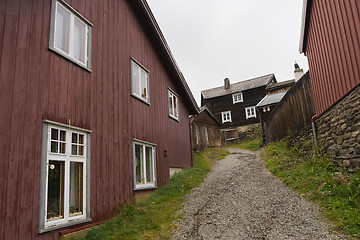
{"points": [[333, 48]]}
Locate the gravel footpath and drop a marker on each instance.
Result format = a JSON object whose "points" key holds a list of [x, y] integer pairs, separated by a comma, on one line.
{"points": [[240, 199]]}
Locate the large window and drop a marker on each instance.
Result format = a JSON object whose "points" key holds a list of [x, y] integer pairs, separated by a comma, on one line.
{"points": [[173, 105], [139, 82], [144, 165], [250, 112], [65, 169], [226, 117], [70, 34], [237, 97]]}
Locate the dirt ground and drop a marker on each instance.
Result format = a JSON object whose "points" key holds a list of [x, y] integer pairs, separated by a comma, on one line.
{"points": [[240, 199]]}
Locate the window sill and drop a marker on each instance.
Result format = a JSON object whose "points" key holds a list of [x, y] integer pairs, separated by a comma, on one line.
{"points": [[64, 225], [174, 118], [140, 188], [60, 53], [141, 99]]}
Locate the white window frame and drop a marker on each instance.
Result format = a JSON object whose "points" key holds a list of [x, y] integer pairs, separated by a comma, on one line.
{"points": [[173, 105], [139, 69], [86, 42], [66, 158], [249, 114], [237, 97], [226, 117], [146, 185]]}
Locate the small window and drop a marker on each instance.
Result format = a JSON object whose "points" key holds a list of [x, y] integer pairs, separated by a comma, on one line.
{"points": [[250, 112], [173, 105], [139, 82], [65, 199], [144, 165], [237, 97], [226, 116], [70, 34]]}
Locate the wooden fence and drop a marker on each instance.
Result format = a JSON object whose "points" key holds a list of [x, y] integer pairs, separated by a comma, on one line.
{"points": [[292, 113]]}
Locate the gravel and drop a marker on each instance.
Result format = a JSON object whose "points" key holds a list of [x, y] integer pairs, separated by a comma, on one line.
{"points": [[240, 199]]}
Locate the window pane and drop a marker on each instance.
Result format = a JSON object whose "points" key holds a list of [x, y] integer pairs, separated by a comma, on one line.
{"points": [[175, 106], [81, 150], [62, 147], [73, 149], [79, 40], [54, 147], [62, 27], [81, 138], [149, 166], [139, 164], [171, 109], [62, 135], [74, 137], [55, 198], [143, 75], [54, 134], [76, 189], [135, 79]]}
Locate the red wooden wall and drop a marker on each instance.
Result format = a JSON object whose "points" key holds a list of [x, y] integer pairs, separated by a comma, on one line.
{"points": [[333, 49], [37, 84]]}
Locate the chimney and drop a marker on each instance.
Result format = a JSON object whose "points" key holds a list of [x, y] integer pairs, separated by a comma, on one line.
{"points": [[298, 72], [227, 83]]}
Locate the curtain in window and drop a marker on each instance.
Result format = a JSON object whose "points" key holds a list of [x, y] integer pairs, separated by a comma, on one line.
{"points": [[79, 40], [62, 29]]}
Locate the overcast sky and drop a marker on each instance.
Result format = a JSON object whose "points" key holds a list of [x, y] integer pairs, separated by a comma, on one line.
{"points": [[238, 39]]}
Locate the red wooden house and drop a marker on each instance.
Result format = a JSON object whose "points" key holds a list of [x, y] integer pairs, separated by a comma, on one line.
{"points": [[93, 110], [330, 38]]}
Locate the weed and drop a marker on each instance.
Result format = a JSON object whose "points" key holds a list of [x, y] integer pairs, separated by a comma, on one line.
{"points": [[318, 179], [154, 217], [252, 145]]}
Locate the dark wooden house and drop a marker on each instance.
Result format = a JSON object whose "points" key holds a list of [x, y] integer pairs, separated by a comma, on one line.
{"points": [[93, 110], [205, 130], [331, 41], [234, 104]]}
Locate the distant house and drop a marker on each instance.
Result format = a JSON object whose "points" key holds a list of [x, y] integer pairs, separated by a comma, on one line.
{"points": [[234, 104], [274, 93], [205, 130], [93, 110], [331, 41]]}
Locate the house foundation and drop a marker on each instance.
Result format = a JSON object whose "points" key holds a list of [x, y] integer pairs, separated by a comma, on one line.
{"points": [[338, 131]]}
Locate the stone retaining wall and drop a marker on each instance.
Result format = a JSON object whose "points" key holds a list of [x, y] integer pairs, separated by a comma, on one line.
{"points": [[338, 131]]}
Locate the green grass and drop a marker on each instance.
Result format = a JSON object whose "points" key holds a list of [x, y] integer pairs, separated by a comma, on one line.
{"points": [[154, 217], [317, 179], [252, 145]]}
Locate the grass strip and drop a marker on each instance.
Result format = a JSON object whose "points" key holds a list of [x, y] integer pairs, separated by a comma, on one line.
{"points": [[251, 144], [317, 179], [154, 217]]}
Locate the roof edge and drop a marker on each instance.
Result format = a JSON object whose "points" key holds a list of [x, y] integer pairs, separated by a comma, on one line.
{"points": [[303, 29], [161, 37]]}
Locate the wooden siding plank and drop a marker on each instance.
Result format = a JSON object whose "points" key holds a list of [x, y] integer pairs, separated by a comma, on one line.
{"points": [[329, 70], [34, 135], [24, 194], [355, 31], [6, 61], [332, 56], [337, 54], [12, 152], [345, 46], [352, 40]]}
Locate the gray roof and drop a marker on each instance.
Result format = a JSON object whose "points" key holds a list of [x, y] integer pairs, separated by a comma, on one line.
{"points": [[271, 99], [238, 87], [281, 84]]}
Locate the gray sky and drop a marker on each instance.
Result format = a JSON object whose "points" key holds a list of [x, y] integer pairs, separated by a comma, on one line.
{"points": [[238, 39]]}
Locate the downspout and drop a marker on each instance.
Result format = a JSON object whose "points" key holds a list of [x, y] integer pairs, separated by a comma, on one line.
{"points": [[314, 130]]}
